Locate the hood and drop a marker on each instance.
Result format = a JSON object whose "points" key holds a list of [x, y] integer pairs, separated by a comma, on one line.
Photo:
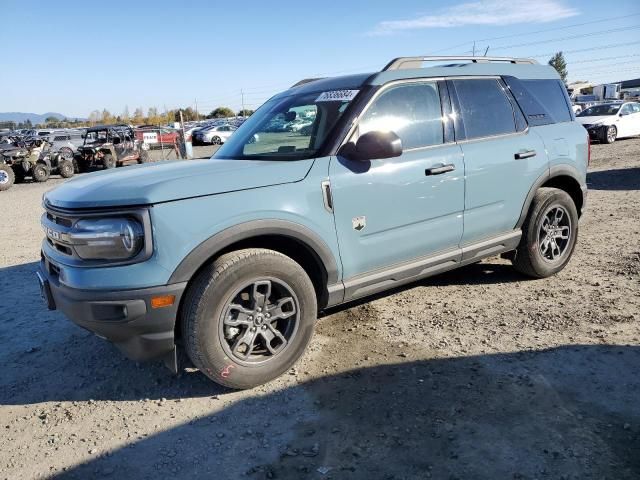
{"points": [[594, 120], [167, 181]]}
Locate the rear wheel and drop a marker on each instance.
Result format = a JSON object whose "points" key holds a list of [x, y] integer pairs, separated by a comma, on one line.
{"points": [[549, 234], [248, 317], [40, 172], [144, 156], [7, 177], [65, 168], [108, 161], [610, 134]]}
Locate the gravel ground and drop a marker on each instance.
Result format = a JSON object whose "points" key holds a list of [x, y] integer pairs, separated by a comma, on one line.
{"points": [[477, 373]]}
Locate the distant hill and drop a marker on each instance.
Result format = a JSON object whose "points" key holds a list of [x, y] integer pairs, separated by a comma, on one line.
{"points": [[34, 117]]}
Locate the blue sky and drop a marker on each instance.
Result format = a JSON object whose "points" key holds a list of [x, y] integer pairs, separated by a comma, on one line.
{"points": [[74, 57]]}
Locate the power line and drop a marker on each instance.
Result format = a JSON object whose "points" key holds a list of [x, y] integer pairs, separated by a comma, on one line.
{"points": [[581, 50], [604, 66], [602, 20], [571, 37], [604, 58]]}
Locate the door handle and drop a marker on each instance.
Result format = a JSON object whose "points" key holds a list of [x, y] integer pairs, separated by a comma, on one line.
{"points": [[439, 170], [525, 154]]}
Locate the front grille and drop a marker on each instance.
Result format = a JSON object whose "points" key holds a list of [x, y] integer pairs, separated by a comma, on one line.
{"points": [[65, 222]]}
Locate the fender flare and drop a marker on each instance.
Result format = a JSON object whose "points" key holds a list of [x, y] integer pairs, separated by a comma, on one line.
{"points": [[256, 228], [555, 171]]}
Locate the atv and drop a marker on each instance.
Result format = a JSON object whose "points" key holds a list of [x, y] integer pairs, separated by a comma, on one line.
{"points": [[25, 157], [110, 146]]}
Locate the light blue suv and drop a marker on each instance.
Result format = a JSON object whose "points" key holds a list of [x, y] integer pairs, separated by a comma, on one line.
{"points": [[403, 173]]}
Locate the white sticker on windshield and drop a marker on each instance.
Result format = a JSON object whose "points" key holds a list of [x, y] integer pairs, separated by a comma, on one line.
{"points": [[337, 96]]}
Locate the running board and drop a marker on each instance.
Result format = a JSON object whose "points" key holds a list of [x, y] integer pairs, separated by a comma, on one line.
{"points": [[400, 274]]}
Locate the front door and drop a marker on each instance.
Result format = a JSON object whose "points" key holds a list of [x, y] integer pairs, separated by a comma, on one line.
{"points": [[399, 209]]}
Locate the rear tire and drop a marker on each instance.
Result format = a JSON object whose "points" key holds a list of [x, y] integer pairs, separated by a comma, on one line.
{"points": [[7, 177], [248, 317], [40, 172], [108, 161], [65, 168], [549, 234]]}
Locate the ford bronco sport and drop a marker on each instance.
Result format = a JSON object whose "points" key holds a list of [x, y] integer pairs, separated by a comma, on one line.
{"points": [[405, 173]]}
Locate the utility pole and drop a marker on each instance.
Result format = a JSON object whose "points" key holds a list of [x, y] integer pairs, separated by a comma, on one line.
{"points": [[197, 114], [242, 101], [486, 50], [474, 49]]}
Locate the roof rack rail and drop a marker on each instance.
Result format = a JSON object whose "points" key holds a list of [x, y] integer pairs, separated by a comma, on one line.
{"points": [[305, 80], [402, 63]]}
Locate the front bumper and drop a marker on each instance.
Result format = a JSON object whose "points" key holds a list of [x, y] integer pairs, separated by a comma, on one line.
{"points": [[124, 317]]}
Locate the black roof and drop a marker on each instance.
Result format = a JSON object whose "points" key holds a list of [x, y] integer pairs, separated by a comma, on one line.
{"points": [[99, 128]]}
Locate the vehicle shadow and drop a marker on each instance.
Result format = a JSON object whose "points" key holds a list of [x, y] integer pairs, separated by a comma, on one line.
{"points": [[41, 347], [618, 179], [568, 412]]}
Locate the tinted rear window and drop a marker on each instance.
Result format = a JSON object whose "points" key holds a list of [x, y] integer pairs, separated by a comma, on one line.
{"points": [[484, 107], [542, 101]]}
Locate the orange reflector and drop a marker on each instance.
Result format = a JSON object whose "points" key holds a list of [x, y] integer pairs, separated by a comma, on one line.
{"points": [[162, 301]]}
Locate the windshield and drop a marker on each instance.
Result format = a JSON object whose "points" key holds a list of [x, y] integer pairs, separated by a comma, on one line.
{"points": [[599, 110], [288, 128]]}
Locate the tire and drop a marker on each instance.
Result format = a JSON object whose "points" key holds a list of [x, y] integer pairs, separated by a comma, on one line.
{"points": [[40, 172], [609, 134], [65, 168], [144, 156], [7, 177], [216, 140], [19, 173], [537, 255], [216, 348], [108, 161], [66, 152]]}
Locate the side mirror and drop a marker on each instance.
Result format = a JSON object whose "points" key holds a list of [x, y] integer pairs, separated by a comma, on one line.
{"points": [[622, 114], [375, 146], [290, 116]]}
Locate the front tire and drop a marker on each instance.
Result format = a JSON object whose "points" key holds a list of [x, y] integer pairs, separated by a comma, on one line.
{"points": [[610, 134], [549, 234], [7, 177], [108, 161], [216, 141], [248, 317]]}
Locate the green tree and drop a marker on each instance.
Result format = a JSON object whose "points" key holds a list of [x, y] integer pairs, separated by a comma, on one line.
{"points": [[221, 112], [245, 113], [51, 119], [560, 64], [138, 116]]}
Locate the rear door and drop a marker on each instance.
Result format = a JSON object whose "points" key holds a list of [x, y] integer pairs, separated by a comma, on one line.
{"points": [[503, 158], [398, 209]]}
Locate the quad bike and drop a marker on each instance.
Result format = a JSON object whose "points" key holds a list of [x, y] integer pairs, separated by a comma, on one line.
{"points": [[32, 157], [110, 146]]}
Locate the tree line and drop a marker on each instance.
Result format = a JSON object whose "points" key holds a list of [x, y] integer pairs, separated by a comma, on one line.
{"points": [[153, 117]]}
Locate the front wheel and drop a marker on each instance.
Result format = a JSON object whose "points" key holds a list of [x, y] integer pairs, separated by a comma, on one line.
{"points": [[216, 141], [7, 177], [549, 234], [610, 134], [108, 161], [40, 172], [248, 317]]}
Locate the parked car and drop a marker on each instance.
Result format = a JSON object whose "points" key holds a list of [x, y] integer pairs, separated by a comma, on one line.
{"points": [[216, 134], [157, 136], [110, 146], [234, 256], [609, 121]]}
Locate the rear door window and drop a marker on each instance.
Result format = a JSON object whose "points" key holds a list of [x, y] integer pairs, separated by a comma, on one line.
{"points": [[484, 107], [542, 101]]}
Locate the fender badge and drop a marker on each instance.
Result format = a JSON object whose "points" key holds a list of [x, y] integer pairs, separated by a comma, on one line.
{"points": [[359, 222]]}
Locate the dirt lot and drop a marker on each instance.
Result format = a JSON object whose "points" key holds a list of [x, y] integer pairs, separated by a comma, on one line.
{"points": [[478, 373]]}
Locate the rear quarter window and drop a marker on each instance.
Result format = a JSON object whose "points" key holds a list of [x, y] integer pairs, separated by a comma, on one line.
{"points": [[542, 101]]}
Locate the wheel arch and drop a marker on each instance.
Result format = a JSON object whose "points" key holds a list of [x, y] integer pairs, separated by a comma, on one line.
{"points": [[292, 239], [563, 177]]}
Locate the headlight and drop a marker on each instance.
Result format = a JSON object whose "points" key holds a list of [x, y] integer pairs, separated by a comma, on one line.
{"points": [[107, 238]]}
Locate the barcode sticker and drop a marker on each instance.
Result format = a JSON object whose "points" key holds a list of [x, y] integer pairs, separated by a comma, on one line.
{"points": [[337, 96]]}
